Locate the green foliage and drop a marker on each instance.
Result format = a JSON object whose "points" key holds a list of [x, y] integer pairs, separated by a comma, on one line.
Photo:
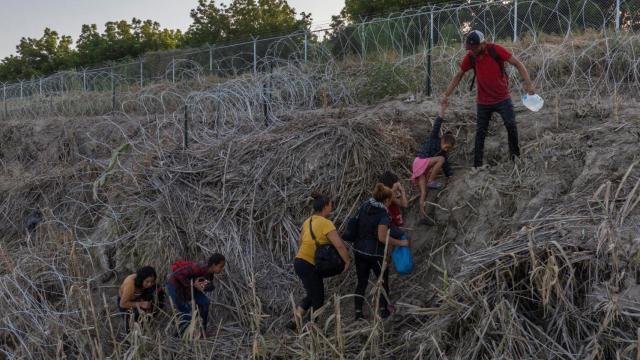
{"points": [[122, 39], [211, 24], [355, 10], [241, 20], [35, 56], [385, 79]]}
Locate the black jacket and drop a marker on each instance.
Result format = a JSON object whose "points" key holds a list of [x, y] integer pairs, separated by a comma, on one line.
{"points": [[373, 214], [432, 148]]}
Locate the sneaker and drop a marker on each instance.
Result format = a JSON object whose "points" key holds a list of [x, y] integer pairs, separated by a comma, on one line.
{"points": [[436, 185]]}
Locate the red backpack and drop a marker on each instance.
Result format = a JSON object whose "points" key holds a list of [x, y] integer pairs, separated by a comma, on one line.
{"points": [[180, 264]]}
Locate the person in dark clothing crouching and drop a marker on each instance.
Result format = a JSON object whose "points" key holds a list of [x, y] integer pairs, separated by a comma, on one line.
{"points": [[369, 247], [197, 279]]}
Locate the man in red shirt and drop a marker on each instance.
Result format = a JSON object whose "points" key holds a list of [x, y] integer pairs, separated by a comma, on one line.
{"points": [[487, 60], [193, 278]]}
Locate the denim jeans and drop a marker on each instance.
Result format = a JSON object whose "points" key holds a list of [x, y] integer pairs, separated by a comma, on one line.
{"points": [[184, 308], [484, 112]]}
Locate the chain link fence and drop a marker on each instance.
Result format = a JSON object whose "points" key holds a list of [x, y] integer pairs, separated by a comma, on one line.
{"points": [[417, 37]]}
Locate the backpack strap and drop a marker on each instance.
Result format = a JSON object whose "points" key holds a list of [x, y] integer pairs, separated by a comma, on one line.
{"points": [[491, 51], [494, 55], [472, 59]]}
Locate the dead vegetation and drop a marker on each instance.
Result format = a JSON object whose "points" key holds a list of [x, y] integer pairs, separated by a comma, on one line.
{"points": [[532, 260]]}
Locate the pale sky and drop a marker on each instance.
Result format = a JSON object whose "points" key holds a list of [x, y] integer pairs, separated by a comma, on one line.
{"points": [[28, 18]]}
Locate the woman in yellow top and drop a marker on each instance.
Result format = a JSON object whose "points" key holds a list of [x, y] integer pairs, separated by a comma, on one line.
{"points": [[137, 293], [304, 264]]}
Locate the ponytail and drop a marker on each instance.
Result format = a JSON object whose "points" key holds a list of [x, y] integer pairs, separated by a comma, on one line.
{"points": [[319, 201], [382, 192]]}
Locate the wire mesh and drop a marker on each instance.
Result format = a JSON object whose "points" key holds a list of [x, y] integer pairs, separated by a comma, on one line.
{"points": [[400, 41]]}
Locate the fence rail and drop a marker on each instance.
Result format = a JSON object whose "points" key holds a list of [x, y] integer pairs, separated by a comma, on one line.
{"points": [[415, 31]]}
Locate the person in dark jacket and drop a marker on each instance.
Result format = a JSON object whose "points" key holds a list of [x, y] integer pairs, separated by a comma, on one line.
{"points": [[369, 247], [432, 159], [194, 278]]}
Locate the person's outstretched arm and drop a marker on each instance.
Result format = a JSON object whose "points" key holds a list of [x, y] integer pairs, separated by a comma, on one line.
{"points": [[382, 237], [528, 85], [452, 86]]}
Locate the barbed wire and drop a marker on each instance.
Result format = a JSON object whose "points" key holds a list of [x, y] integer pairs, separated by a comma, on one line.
{"points": [[406, 34]]}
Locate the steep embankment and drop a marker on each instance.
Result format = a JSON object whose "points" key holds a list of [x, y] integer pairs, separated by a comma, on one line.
{"points": [[535, 259]]}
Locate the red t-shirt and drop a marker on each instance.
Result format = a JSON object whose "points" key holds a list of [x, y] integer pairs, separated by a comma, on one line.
{"points": [[396, 215], [493, 86]]}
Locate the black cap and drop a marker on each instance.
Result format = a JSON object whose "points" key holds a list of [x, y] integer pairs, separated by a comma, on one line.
{"points": [[474, 38]]}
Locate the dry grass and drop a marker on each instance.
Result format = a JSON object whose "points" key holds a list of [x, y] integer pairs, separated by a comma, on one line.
{"points": [[531, 261]]}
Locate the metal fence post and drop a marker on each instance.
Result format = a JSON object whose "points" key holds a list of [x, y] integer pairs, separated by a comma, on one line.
{"points": [[210, 59], [185, 143], [141, 72], [429, 53], [62, 83], [40, 86], [84, 80], [306, 45], [20, 89], [255, 56], [113, 91], [515, 21], [173, 70], [618, 14], [4, 100], [363, 48]]}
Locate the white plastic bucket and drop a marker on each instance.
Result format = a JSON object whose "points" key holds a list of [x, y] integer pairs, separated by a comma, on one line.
{"points": [[533, 102]]}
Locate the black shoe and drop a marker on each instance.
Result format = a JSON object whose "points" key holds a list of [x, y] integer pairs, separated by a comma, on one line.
{"points": [[359, 316], [384, 314]]}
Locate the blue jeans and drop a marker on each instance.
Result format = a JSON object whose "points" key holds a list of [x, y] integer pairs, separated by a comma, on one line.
{"points": [[184, 308]]}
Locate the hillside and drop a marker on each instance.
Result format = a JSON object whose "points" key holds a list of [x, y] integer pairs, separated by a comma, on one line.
{"points": [[536, 259]]}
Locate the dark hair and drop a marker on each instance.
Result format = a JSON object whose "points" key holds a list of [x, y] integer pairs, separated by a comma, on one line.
{"points": [[381, 192], [144, 273], [448, 138], [319, 201], [389, 178], [215, 259]]}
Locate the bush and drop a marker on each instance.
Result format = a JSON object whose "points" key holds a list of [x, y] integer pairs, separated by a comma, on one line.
{"points": [[384, 79]]}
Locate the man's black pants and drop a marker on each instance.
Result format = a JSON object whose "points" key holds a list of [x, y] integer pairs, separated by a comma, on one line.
{"points": [[505, 109]]}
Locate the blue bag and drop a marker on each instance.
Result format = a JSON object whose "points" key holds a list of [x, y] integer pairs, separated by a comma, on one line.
{"points": [[402, 260]]}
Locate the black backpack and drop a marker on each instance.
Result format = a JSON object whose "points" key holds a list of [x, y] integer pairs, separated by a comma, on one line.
{"points": [[492, 54], [351, 232]]}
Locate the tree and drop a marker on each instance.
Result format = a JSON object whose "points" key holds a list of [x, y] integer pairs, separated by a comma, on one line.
{"points": [[355, 10], [252, 18], [40, 56], [210, 24], [122, 39]]}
